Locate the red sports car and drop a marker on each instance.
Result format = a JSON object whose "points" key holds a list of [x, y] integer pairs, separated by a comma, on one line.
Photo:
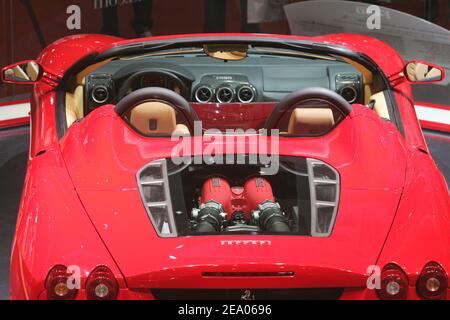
{"points": [[228, 166]]}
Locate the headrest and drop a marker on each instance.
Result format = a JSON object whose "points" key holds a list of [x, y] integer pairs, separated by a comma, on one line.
{"points": [[161, 95], [310, 121], [154, 117]]}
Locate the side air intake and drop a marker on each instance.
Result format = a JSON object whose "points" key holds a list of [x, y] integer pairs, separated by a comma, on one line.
{"points": [[154, 189], [324, 193]]}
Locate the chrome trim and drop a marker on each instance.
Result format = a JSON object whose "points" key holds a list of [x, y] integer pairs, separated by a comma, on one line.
{"points": [[203, 87], [355, 92], [246, 87], [220, 89], [100, 87]]}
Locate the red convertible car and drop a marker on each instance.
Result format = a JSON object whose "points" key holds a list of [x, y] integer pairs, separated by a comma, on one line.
{"points": [[228, 166]]}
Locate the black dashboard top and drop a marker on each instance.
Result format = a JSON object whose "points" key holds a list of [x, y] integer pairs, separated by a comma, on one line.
{"points": [[199, 78]]}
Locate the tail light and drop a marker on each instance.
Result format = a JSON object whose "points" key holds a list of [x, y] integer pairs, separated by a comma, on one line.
{"points": [[394, 283], [57, 284], [432, 283], [102, 285]]}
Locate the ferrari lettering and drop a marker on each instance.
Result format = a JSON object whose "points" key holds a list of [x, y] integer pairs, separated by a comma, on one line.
{"points": [[246, 242]]}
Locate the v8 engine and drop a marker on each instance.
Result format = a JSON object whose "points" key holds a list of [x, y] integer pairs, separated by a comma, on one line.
{"points": [[247, 208]]}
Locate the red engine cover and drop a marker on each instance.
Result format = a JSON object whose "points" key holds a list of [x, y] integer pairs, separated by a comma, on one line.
{"points": [[244, 199], [217, 189], [257, 190]]}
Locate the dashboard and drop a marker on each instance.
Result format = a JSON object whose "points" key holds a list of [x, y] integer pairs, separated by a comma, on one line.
{"points": [[202, 79]]}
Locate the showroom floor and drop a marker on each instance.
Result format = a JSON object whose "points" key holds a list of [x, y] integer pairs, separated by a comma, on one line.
{"points": [[13, 156]]}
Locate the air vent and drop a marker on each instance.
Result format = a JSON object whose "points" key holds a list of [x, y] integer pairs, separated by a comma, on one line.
{"points": [[225, 95], [324, 189], [349, 93], [155, 193], [246, 94], [203, 94], [100, 94]]}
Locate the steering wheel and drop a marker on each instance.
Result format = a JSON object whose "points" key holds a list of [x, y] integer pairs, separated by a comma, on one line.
{"points": [[295, 98], [126, 85]]}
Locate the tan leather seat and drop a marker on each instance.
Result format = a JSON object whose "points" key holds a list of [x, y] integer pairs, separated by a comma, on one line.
{"points": [[156, 118], [380, 105], [74, 105], [181, 130], [310, 121]]}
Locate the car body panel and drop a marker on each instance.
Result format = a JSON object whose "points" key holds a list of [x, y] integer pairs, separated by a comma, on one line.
{"points": [[48, 232], [104, 174]]}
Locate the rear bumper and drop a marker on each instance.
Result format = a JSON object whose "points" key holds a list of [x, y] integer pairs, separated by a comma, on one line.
{"points": [[204, 294]]}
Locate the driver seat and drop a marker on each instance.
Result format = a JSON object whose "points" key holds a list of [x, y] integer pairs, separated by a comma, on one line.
{"points": [[156, 118]]}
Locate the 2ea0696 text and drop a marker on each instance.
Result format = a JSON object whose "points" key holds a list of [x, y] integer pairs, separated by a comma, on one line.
{"points": [[226, 309]]}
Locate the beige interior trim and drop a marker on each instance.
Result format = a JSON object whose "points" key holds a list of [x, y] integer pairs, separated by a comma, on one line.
{"points": [[74, 105], [75, 100], [83, 74], [310, 120], [70, 112], [380, 106]]}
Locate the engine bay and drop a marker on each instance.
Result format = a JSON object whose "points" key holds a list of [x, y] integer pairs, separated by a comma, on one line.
{"points": [[190, 199]]}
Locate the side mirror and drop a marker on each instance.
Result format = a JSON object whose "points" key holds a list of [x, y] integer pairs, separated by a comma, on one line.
{"points": [[25, 72], [418, 71]]}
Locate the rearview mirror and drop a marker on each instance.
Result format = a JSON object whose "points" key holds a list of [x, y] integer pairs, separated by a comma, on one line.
{"points": [[227, 52], [25, 72], [418, 71]]}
